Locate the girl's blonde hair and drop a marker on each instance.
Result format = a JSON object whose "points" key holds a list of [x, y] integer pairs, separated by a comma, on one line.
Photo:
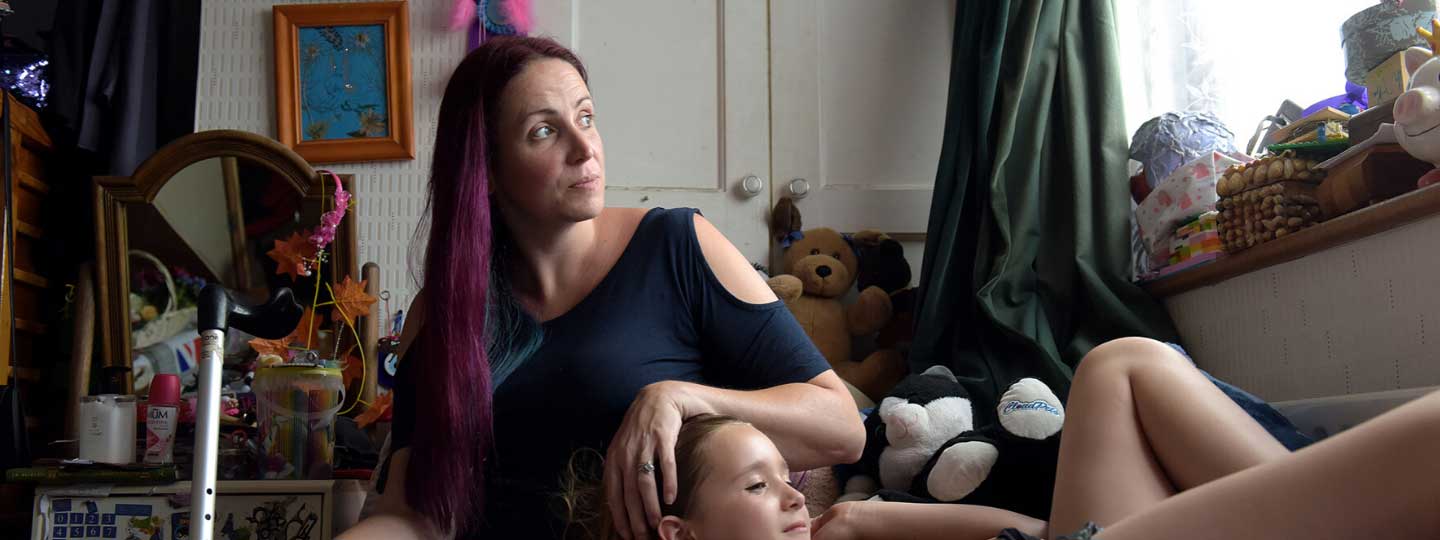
{"points": [[583, 496]]}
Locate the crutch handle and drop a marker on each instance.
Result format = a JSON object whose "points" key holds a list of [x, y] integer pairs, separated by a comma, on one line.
{"points": [[218, 310]]}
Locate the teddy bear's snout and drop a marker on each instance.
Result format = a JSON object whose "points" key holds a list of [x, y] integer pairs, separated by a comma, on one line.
{"points": [[822, 271]]}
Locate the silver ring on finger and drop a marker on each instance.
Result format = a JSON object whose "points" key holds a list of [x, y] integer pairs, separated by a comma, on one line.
{"points": [[647, 468]]}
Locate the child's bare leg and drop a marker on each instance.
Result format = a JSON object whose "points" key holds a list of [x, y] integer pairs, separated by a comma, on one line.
{"points": [[1379, 479], [1141, 424]]}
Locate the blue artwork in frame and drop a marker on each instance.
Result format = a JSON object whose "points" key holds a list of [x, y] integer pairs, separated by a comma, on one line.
{"points": [[342, 81], [342, 76]]}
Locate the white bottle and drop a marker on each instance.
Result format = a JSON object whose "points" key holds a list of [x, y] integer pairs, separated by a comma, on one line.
{"points": [[162, 419]]}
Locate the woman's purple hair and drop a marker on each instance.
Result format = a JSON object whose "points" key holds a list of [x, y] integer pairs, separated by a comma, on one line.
{"points": [[472, 322]]}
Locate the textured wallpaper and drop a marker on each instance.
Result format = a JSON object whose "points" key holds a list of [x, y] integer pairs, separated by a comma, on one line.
{"points": [[1354, 318], [236, 90]]}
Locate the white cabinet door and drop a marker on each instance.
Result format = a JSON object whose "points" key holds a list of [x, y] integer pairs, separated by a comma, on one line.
{"points": [[681, 97], [859, 96]]}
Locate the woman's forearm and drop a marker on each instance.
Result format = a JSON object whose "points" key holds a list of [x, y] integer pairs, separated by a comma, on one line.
{"points": [[814, 424], [892, 520]]}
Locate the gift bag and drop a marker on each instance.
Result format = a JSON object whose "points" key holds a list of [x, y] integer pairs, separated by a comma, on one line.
{"points": [[1188, 192]]}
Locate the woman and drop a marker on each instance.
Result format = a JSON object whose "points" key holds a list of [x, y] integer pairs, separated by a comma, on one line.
{"points": [[596, 327], [731, 483], [1152, 449]]}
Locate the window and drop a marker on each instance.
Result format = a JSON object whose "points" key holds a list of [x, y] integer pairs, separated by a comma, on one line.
{"points": [[1236, 59]]}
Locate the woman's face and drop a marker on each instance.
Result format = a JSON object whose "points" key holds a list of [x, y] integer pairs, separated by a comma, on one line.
{"points": [[745, 494], [550, 165]]}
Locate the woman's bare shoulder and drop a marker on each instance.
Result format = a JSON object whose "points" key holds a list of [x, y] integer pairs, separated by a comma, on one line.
{"points": [[729, 265]]}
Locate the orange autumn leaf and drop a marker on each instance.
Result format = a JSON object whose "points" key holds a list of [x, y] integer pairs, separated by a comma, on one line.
{"points": [[307, 333], [376, 410], [271, 346], [351, 300], [279, 347], [290, 255], [354, 370]]}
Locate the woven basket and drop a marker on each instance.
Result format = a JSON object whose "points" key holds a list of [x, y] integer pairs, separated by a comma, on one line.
{"points": [[171, 322]]}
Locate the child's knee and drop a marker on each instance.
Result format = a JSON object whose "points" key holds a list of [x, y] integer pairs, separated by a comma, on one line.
{"points": [[1126, 353]]}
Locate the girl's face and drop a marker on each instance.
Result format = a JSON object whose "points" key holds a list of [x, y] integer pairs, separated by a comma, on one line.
{"points": [[745, 493], [550, 165]]}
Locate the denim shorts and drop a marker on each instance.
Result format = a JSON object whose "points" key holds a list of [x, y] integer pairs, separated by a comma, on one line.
{"points": [[1085, 533]]}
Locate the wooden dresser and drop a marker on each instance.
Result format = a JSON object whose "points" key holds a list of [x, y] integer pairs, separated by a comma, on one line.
{"points": [[30, 179], [31, 176]]}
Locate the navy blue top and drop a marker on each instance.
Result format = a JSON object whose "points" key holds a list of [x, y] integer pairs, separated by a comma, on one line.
{"points": [[659, 314]]}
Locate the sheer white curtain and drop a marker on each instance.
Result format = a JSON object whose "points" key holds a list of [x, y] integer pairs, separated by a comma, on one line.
{"points": [[1236, 59]]}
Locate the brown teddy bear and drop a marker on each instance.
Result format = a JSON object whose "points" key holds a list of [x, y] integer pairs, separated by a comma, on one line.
{"points": [[820, 267]]}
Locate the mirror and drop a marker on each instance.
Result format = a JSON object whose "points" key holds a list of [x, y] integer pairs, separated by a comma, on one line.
{"points": [[207, 208]]}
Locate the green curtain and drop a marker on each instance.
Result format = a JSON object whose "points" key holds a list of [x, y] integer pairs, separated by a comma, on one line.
{"points": [[1027, 255]]}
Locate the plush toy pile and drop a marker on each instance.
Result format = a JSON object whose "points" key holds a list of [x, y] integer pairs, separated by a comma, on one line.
{"points": [[819, 269]]}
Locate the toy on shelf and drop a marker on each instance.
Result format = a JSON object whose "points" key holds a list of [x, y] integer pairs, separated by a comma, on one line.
{"points": [[1417, 111]]}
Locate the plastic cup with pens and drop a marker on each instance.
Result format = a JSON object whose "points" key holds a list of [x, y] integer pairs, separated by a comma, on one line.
{"points": [[297, 405]]}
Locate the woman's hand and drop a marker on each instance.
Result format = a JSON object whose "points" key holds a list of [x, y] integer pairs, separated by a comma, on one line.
{"points": [[838, 523], [643, 447]]}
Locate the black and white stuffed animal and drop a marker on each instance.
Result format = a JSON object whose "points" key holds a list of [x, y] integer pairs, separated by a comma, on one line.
{"points": [[923, 446]]}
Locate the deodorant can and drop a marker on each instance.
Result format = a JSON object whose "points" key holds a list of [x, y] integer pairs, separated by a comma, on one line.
{"points": [[162, 419]]}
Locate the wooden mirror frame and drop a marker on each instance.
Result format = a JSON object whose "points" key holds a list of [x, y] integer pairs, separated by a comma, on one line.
{"points": [[115, 194]]}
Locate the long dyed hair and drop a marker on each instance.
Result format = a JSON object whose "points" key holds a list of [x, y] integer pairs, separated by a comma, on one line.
{"points": [[467, 351]]}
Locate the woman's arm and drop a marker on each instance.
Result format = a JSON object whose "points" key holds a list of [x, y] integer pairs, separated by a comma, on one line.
{"points": [[393, 519], [814, 423], [891, 520]]}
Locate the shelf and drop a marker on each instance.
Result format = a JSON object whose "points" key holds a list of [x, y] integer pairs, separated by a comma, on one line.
{"points": [[1377, 218], [29, 230], [25, 325], [31, 279], [29, 181]]}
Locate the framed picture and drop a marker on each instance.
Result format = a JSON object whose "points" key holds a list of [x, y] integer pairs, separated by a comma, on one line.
{"points": [[270, 509], [342, 81]]}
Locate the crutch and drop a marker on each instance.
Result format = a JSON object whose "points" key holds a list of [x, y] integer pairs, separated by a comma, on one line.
{"points": [[217, 312]]}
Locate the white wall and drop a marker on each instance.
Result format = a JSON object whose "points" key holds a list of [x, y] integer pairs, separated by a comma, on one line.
{"points": [[236, 90]]}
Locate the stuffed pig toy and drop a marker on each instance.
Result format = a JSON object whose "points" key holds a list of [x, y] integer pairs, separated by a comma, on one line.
{"points": [[1417, 111]]}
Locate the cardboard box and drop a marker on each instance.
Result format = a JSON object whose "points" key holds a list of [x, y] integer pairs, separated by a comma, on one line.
{"points": [[1388, 80]]}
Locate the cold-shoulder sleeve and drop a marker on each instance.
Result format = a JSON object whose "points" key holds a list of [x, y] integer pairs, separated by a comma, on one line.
{"points": [[745, 346]]}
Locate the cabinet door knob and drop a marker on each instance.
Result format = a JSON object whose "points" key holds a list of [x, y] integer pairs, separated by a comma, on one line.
{"points": [[752, 185], [798, 187]]}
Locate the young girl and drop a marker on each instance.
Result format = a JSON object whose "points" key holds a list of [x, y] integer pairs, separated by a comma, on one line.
{"points": [[733, 484], [1151, 449], [728, 464]]}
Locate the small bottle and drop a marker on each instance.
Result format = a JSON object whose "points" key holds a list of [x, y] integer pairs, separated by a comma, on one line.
{"points": [[162, 419]]}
